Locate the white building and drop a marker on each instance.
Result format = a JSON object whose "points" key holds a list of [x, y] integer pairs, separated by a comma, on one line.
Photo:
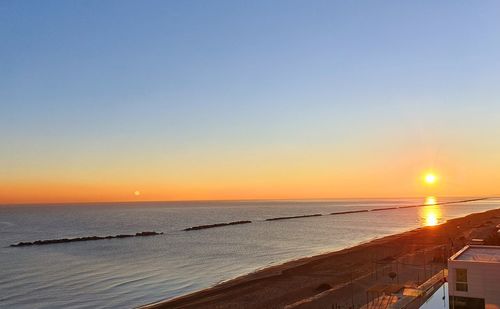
{"points": [[474, 278]]}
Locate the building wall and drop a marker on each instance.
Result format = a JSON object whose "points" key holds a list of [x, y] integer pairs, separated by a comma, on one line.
{"points": [[483, 281]]}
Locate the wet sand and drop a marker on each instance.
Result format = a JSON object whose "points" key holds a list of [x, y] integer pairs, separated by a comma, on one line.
{"points": [[344, 276]]}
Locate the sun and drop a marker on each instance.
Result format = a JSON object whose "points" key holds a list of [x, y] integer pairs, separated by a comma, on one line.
{"points": [[430, 178], [137, 193]]}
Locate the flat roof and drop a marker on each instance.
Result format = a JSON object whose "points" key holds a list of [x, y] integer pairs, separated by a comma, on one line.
{"points": [[478, 253]]}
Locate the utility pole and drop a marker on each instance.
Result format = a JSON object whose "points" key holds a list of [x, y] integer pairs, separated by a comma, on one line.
{"points": [[444, 262], [425, 267], [397, 271], [352, 291]]}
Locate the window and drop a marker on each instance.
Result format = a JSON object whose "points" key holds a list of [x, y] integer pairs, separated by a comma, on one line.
{"points": [[458, 302], [461, 279]]}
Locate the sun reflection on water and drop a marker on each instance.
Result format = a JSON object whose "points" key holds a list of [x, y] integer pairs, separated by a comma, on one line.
{"points": [[430, 200], [431, 213]]}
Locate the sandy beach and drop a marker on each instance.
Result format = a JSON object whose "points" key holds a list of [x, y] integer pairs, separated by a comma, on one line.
{"points": [[343, 277]]}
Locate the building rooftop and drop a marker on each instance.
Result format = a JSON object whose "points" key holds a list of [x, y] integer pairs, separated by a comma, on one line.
{"points": [[490, 254]]}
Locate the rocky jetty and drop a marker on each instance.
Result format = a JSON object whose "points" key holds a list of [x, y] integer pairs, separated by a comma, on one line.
{"points": [[293, 217], [88, 238], [209, 226], [348, 212], [387, 208], [412, 206]]}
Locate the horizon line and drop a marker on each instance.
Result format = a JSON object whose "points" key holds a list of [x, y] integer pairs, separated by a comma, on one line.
{"points": [[236, 200]]}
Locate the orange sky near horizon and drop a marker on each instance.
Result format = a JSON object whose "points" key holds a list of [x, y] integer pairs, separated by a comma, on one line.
{"points": [[313, 174]]}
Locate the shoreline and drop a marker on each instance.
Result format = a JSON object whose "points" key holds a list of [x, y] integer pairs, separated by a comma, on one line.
{"points": [[297, 281]]}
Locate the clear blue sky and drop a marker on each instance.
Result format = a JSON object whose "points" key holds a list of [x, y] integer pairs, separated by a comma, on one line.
{"points": [[93, 90]]}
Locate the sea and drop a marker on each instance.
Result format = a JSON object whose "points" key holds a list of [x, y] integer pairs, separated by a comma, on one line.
{"points": [[129, 272]]}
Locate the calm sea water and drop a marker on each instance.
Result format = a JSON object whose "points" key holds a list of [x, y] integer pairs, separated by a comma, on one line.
{"points": [[124, 273]]}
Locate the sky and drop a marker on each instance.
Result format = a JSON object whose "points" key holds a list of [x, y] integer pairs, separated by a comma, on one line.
{"points": [[194, 100]]}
